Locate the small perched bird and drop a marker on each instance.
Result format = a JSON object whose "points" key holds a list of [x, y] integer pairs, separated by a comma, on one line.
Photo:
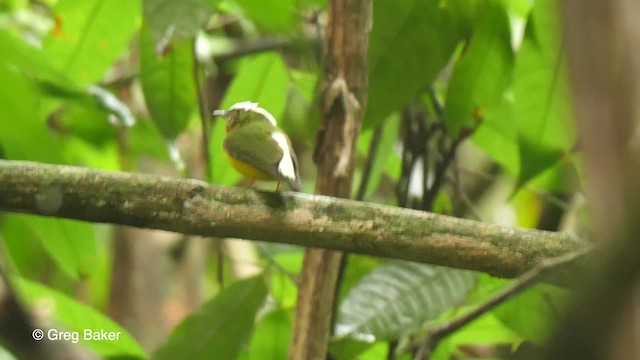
{"points": [[256, 147]]}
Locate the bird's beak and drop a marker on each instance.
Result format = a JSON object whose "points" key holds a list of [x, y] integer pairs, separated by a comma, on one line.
{"points": [[219, 113]]}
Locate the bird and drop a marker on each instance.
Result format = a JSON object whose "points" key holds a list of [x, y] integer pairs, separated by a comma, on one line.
{"points": [[256, 147]]}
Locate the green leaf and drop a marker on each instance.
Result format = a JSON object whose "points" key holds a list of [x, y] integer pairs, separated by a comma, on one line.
{"points": [[534, 313], [347, 348], [91, 35], [105, 157], [398, 297], [119, 112], [24, 251], [302, 114], [531, 315], [220, 327], [50, 81], [171, 20], [520, 8], [285, 262], [283, 289], [497, 136], [411, 42], [535, 160], [271, 337], [377, 351], [485, 330], [314, 4], [27, 137], [32, 61], [273, 15], [88, 123], [77, 317], [70, 243], [168, 84], [483, 73], [542, 107], [4, 353], [145, 140], [263, 79]]}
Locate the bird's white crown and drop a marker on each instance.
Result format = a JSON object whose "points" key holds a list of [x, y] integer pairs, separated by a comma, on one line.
{"points": [[253, 106]]}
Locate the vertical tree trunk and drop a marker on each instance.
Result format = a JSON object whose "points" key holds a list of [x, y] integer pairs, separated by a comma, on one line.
{"points": [[344, 94], [604, 60]]}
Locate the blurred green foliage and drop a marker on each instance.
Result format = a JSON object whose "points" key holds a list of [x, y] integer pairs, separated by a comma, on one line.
{"points": [[108, 84]]}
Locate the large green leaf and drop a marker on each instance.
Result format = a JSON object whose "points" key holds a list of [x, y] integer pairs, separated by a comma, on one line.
{"points": [[487, 329], [168, 84], [146, 140], [74, 316], [71, 244], [32, 61], [483, 73], [88, 123], [534, 314], [176, 20], [92, 114], [283, 287], [90, 36], [348, 348], [24, 134], [411, 42], [398, 297], [53, 82], [23, 250], [220, 328], [263, 79], [274, 15], [497, 135], [5, 354], [542, 104], [531, 314], [271, 337]]}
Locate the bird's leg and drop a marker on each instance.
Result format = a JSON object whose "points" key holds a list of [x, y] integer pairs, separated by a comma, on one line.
{"points": [[278, 186], [251, 181]]}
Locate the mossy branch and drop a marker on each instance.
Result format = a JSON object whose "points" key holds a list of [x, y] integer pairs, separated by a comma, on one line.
{"points": [[197, 208]]}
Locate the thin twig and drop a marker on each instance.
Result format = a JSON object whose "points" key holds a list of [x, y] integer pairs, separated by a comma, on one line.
{"points": [[426, 165], [204, 115], [368, 166], [536, 274], [205, 125], [441, 169], [437, 106], [464, 199], [393, 348], [408, 161], [265, 44], [274, 263]]}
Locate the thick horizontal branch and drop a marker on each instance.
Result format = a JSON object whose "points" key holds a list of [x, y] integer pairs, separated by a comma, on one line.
{"points": [[197, 208]]}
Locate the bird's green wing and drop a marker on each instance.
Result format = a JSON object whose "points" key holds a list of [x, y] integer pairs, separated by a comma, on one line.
{"points": [[252, 143]]}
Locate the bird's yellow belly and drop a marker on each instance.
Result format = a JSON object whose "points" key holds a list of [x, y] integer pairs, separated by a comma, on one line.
{"points": [[249, 170]]}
